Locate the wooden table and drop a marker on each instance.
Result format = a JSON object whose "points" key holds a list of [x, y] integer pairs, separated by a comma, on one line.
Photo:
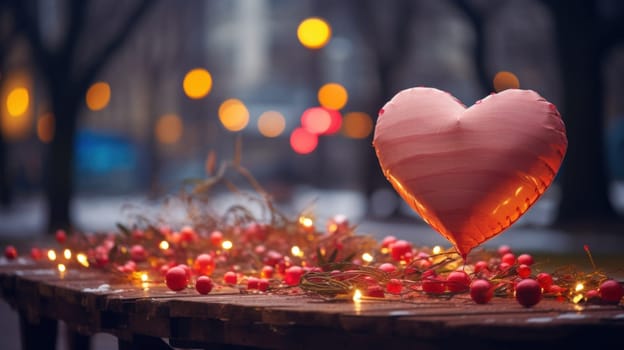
{"points": [[156, 318]]}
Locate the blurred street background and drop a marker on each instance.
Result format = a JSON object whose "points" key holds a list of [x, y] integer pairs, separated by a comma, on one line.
{"points": [[109, 107]]}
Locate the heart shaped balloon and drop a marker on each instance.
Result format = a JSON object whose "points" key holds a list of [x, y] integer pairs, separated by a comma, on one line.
{"points": [[469, 172]]}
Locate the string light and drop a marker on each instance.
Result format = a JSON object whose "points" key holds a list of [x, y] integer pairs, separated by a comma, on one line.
{"points": [[51, 255], [67, 254], [227, 245], [357, 295], [436, 250], [144, 277], [306, 221], [579, 287], [367, 257], [296, 251], [61, 268], [164, 245], [82, 260]]}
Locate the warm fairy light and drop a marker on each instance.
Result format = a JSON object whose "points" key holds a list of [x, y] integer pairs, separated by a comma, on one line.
{"points": [[271, 124], [197, 83], [357, 295], [17, 102], [51, 255], [333, 96], [505, 80], [385, 250], [577, 298], [233, 114], [296, 251], [164, 245], [306, 221], [67, 254], [82, 260], [45, 127], [168, 129], [302, 141], [314, 33], [579, 287], [144, 277], [61, 268], [357, 125], [227, 245], [436, 250], [98, 96], [367, 257]]}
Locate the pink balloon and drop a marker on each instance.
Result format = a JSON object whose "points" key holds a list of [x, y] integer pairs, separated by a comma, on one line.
{"points": [[469, 172]]}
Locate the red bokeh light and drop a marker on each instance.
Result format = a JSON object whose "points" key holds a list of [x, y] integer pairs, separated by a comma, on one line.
{"points": [[316, 120], [336, 122], [302, 141]]}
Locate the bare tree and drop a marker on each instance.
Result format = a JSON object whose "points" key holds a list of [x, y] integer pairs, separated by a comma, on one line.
{"points": [[67, 76]]}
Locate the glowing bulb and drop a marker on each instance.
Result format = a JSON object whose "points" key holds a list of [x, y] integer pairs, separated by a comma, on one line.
{"points": [[51, 255], [61, 268], [197, 83], [314, 33], [436, 250], [357, 295], [17, 102], [67, 254], [82, 260], [579, 287], [385, 250], [143, 277], [227, 245], [296, 251], [367, 257], [98, 96], [164, 245], [306, 222], [577, 298]]}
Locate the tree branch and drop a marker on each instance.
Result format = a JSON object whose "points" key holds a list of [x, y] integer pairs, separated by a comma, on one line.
{"points": [[479, 55], [114, 44]]}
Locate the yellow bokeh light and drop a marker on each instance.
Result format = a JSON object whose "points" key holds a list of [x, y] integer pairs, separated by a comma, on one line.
{"points": [[45, 127], [271, 124], [164, 245], [314, 33], [357, 295], [67, 254], [98, 96], [227, 245], [144, 277], [367, 257], [306, 221], [168, 129], [436, 250], [233, 114], [197, 83], [51, 255], [357, 125], [579, 287], [82, 259], [333, 96], [505, 80], [17, 102], [61, 268], [296, 251]]}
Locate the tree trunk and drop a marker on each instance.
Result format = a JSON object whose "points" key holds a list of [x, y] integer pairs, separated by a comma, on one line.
{"points": [[584, 181], [60, 181]]}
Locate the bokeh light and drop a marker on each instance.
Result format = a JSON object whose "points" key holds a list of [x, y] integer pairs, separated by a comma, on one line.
{"points": [[271, 124], [45, 127], [233, 114], [17, 101], [504, 80], [98, 96], [333, 96], [169, 129], [302, 141], [357, 125], [336, 122], [197, 83], [316, 120], [314, 33]]}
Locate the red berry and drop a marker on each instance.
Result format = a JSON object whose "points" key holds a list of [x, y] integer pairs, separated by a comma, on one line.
{"points": [[267, 271], [528, 292], [592, 294], [176, 278], [504, 249], [36, 253], [375, 291], [187, 270], [204, 264], [273, 258], [252, 283], [129, 266], [10, 252], [394, 286], [204, 284], [504, 266], [263, 284], [523, 271], [611, 291], [230, 277], [458, 281], [216, 238], [138, 253], [481, 291], [387, 241], [293, 275], [545, 280], [338, 224], [188, 234], [61, 236], [509, 258], [525, 259], [555, 289], [387, 267], [433, 285], [399, 249], [481, 266]]}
